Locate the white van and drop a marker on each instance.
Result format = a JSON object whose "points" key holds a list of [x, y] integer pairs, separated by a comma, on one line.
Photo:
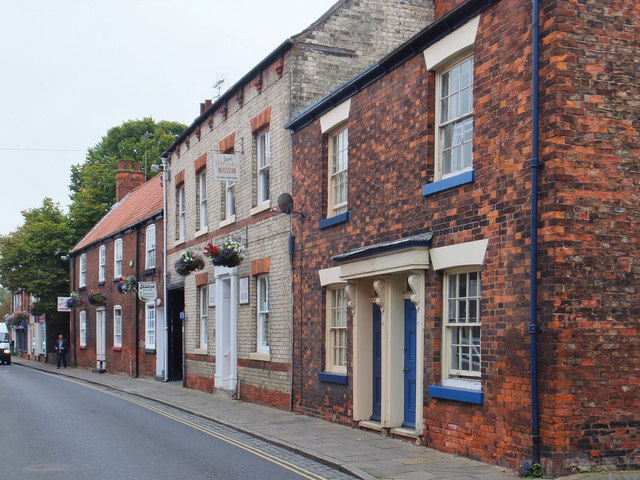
{"points": [[5, 347]]}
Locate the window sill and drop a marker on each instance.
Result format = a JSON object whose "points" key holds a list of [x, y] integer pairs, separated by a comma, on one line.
{"points": [[201, 232], [149, 350], [200, 351], [83, 347], [117, 349], [82, 288], [228, 221], [260, 208], [100, 283], [179, 241], [447, 183], [264, 357], [458, 394], [330, 377], [149, 271], [335, 220], [118, 279]]}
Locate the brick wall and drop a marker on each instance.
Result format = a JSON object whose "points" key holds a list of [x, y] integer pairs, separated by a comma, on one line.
{"points": [[590, 209], [589, 360], [118, 360]]}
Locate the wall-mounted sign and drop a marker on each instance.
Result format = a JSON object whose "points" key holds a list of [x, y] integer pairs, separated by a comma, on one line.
{"points": [[212, 294], [147, 291], [243, 290], [226, 166], [62, 304]]}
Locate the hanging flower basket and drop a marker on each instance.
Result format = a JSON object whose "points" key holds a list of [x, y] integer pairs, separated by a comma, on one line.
{"points": [[228, 254], [96, 298], [18, 317], [189, 262], [128, 284], [74, 300]]}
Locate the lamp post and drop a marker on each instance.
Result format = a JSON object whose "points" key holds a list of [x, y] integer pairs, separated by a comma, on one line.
{"points": [[165, 178]]}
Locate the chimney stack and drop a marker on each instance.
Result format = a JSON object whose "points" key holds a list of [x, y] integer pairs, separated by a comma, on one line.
{"points": [[128, 177]]}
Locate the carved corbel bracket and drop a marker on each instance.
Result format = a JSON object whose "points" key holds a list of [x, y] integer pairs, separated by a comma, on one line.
{"points": [[379, 286]]}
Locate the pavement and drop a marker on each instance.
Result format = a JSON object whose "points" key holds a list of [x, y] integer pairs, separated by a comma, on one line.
{"points": [[363, 454]]}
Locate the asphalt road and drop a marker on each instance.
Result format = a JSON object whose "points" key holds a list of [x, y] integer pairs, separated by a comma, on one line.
{"points": [[56, 428]]}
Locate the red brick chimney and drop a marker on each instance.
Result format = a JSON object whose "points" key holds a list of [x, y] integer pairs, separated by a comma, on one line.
{"points": [[127, 178]]}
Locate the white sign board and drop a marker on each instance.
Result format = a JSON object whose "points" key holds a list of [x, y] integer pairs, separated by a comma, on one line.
{"points": [[226, 166], [212, 294], [147, 291], [62, 304]]}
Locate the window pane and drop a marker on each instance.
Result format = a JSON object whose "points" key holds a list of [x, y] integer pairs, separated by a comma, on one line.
{"points": [[462, 285], [444, 109], [455, 78], [453, 313], [465, 74]]}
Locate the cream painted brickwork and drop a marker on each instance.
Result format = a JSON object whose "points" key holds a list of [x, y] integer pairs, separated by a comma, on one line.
{"points": [[349, 38]]}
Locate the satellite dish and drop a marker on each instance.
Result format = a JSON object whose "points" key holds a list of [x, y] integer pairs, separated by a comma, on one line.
{"points": [[285, 203]]}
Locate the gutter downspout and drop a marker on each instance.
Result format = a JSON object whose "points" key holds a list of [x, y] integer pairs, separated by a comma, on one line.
{"points": [[533, 280], [137, 346], [164, 273]]}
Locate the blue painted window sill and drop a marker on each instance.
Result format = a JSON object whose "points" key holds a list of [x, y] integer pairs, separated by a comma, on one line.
{"points": [[328, 377], [447, 183], [335, 220], [458, 394]]}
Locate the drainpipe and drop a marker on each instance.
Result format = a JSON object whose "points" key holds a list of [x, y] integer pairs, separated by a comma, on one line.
{"points": [[533, 296], [164, 272], [137, 346]]}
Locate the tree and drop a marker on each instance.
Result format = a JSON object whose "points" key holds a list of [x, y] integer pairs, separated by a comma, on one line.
{"points": [[93, 189], [5, 303], [30, 258]]}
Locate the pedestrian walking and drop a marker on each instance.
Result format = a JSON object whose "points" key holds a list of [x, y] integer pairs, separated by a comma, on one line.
{"points": [[61, 348]]}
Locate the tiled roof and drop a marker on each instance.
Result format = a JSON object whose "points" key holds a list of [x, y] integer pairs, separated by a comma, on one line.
{"points": [[138, 205]]}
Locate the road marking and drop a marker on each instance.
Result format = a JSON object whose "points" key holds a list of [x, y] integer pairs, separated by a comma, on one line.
{"points": [[244, 446]]}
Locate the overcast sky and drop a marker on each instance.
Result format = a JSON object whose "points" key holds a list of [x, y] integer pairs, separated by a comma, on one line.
{"points": [[72, 69]]}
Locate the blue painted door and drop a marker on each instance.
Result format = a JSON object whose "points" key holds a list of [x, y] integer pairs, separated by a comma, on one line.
{"points": [[377, 360], [409, 365]]}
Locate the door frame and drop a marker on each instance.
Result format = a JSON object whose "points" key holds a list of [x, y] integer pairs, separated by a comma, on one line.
{"points": [[226, 376], [101, 338]]}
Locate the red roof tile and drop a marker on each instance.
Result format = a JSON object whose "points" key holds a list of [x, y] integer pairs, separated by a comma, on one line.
{"points": [[138, 205]]}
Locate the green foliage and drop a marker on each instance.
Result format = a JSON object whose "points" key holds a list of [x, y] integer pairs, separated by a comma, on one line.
{"points": [[93, 188], [528, 470], [30, 256]]}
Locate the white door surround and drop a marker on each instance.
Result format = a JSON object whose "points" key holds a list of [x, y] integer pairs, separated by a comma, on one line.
{"points": [[226, 328], [386, 275]]}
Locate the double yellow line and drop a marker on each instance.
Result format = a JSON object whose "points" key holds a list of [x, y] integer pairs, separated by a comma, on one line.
{"points": [[247, 448]]}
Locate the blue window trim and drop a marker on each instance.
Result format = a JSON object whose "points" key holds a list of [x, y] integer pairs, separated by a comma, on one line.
{"points": [[335, 220], [459, 394], [447, 183], [329, 377]]}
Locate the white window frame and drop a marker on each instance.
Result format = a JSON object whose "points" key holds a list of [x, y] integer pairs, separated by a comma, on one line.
{"points": [[338, 181], [182, 228], [117, 258], [263, 160], [102, 263], [203, 298], [150, 326], [202, 195], [452, 372], [230, 199], [83, 328], [82, 275], [117, 326], [457, 124], [150, 250], [336, 330], [262, 309]]}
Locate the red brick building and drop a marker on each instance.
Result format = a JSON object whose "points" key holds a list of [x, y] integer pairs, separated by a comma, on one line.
{"points": [[122, 333], [417, 311]]}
